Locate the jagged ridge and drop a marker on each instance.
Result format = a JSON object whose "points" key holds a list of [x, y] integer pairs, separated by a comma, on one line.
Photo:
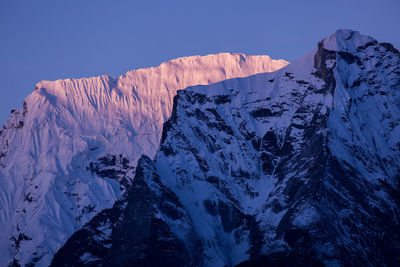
{"points": [[296, 167], [73, 149]]}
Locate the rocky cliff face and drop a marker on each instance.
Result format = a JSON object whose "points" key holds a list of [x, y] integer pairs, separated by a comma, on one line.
{"points": [[72, 151], [300, 166]]}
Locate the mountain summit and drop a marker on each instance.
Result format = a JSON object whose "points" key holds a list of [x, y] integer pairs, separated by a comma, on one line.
{"points": [[346, 41], [296, 167], [72, 151]]}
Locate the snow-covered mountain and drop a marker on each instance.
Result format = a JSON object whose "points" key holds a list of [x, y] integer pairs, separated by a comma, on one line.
{"points": [[296, 167], [73, 149]]}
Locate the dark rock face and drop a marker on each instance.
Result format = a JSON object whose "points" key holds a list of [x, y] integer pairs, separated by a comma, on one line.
{"points": [[114, 167], [282, 259], [324, 71], [93, 239], [14, 123], [250, 175], [130, 234], [142, 239]]}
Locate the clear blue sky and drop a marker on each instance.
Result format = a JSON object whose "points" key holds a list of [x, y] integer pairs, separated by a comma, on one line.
{"points": [[49, 40]]}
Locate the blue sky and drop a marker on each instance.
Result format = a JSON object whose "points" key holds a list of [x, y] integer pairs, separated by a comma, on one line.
{"points": [[49, 40]]}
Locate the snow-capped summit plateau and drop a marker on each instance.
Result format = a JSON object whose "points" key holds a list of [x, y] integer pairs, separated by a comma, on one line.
{"points": [[299, 167], [72, 151]]}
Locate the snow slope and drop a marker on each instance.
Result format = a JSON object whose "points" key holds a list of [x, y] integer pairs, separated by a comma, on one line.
{"points": [[296, 167], [72, 150]]}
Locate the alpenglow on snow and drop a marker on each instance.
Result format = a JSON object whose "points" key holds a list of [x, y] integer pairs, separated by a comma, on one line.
{"points": [[72, 151], [299, 167]]}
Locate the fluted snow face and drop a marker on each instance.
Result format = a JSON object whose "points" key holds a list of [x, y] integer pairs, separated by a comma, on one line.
{"points": [[66, 156], [134, 105]]}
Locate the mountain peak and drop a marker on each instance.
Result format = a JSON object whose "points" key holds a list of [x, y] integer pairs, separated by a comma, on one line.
{"points": [[345, 40], [279, 168], [75, 136]]}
